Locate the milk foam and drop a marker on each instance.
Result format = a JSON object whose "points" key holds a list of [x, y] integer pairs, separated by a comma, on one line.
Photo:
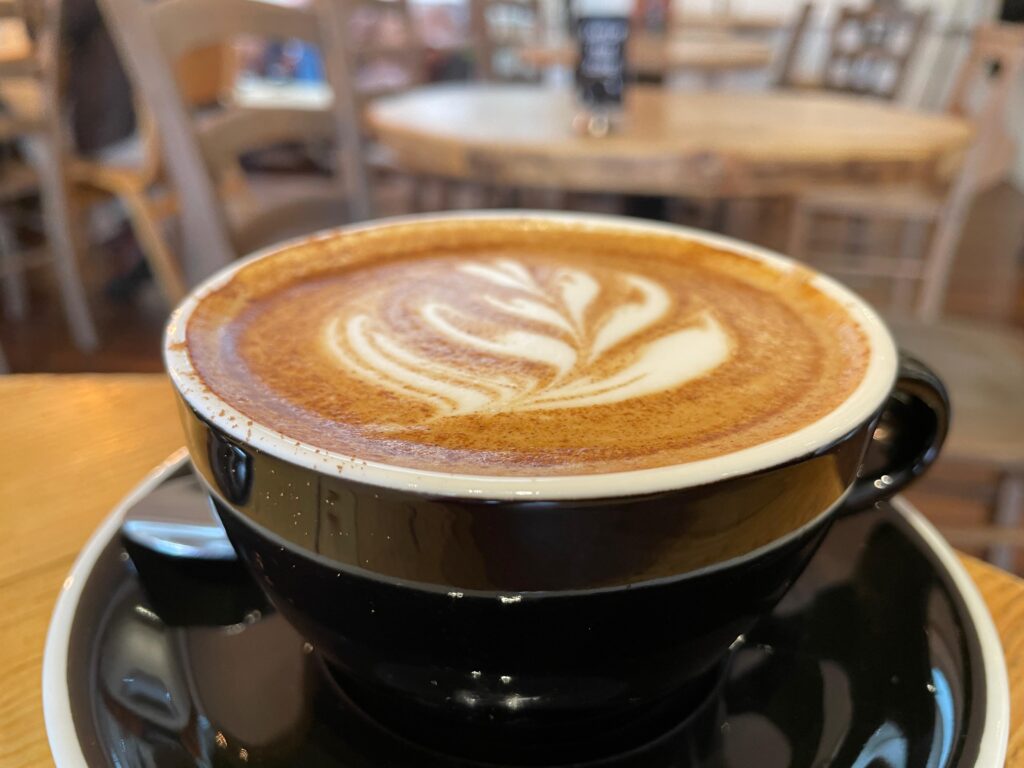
{"points": [[574, 357], [528, 347]]}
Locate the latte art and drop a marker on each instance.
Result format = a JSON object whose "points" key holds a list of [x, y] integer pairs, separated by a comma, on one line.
{"points": [[518, 347], [546, 346]]}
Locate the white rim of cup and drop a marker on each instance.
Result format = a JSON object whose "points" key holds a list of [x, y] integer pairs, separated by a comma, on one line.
{"points": [[865, 400]]}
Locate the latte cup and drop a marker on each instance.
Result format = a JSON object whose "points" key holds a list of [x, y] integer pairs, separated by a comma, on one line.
{"points": [[533, 617]]}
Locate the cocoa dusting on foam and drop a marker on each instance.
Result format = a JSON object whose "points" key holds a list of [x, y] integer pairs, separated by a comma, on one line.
{"points": [[524, 347]]}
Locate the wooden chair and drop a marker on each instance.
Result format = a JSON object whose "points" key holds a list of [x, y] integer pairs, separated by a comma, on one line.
{"points": [[387, 56], [202, 152], [132, 170], [497, 29], [982, 93], [983, 365], [31, 118], [785, 71], [386, 53], [870, 49]]}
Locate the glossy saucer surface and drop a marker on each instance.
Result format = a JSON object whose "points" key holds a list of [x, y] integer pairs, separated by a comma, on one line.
{"points": [[881, 655]]}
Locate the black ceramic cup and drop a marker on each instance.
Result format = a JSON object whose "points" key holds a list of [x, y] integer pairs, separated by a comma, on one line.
{"points": [[540, 617]]}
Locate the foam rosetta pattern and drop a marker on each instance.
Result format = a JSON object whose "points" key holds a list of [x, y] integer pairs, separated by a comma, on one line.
{"points": [[524, 348], [517, 340]]}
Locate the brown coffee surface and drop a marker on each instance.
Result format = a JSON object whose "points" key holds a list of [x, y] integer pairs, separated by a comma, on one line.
{"points": [[524, 347]]}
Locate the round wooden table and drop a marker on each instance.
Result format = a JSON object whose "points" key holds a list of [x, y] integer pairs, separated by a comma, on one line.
{"points": [[738, 22], [669, 142], [653, 56], [72, 446]]}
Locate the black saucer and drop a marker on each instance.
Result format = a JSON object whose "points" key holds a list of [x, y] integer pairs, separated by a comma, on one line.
{"points": [[881, 655]]}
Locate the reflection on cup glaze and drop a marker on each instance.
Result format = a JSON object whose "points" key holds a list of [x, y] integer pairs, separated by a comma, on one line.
{"points": [[518, 342]]}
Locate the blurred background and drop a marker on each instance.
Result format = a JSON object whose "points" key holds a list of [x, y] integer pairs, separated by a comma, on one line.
{"points": [[146, 143]]}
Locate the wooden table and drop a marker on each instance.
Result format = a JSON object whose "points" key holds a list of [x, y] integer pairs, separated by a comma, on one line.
{"points": [[670, 142], [709, 54], [737, 22], [72, 446]]}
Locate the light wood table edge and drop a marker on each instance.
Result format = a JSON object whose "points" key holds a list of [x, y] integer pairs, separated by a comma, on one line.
{"points": [[622, 164]]}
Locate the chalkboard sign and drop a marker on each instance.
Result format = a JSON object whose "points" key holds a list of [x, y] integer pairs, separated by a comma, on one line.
{"points": [[601, 67], [1013, 10]]}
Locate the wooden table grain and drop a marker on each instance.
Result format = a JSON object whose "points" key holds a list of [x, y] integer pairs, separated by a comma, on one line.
{"points": [[669, 142], [730, 21], [72, 446]]}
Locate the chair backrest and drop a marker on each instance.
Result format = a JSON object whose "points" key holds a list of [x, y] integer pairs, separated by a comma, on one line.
{"points": [[201, 150], [497, 28], [982, 92], [785, 73], [386, 52], [870, 48]]}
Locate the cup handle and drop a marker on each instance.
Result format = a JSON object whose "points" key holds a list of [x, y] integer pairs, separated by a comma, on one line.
{"points": [[907, 437]]}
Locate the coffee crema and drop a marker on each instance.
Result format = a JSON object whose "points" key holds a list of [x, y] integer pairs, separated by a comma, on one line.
{"points": [[524, 347]]}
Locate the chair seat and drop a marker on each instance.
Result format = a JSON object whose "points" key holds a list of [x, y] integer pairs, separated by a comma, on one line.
{"points": [[129, 152], [276, 207], [117, 167], [983, 368], [886, 202], [256, 93]]}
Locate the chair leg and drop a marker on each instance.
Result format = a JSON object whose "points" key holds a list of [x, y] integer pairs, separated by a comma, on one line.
{"points": [[554, 199], [902, 293], [799, 229], [492, 196], [163, 261], [417, 194], [430, 193], [857, 229], [939, 261], [4, 367], [1008, 513], [444, 194], [12, 273], [708, 213], [740, 215], [57, 222]]}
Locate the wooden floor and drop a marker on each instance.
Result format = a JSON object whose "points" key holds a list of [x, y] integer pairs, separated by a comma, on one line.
{"points": [[987, 282]]}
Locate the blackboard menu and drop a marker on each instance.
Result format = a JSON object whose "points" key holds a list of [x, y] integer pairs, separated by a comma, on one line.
{"points": [[602, 30]]}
